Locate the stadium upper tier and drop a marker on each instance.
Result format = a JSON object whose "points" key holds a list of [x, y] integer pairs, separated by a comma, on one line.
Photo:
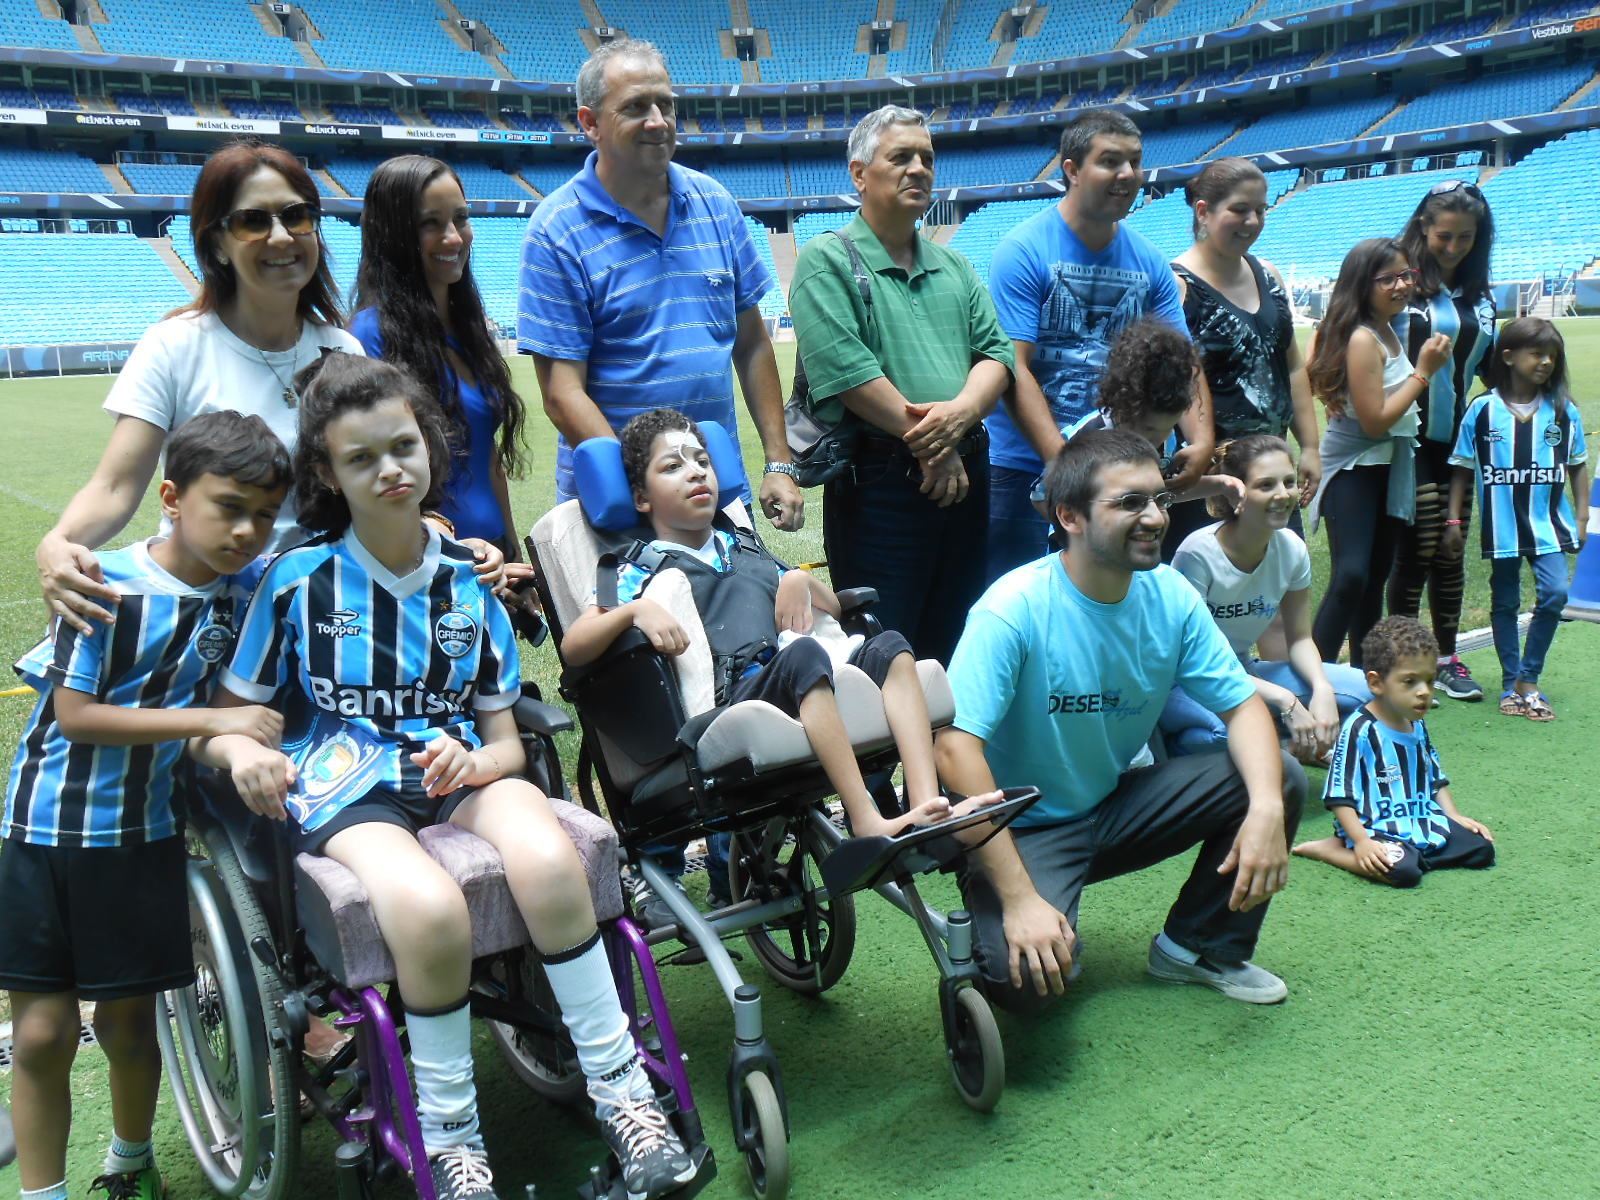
{"points": [[792, 42]]}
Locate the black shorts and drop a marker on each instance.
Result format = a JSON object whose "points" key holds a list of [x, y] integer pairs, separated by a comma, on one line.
{"points": [[803, 663], [411, 810], [106, 922]]}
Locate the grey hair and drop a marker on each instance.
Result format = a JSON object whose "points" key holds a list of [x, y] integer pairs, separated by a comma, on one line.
{"points": [[864, 138], [1080, 132], [592, 75]]}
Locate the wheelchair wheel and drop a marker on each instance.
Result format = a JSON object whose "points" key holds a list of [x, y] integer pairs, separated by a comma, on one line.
{"points": [[977, 1057], [807, 951], [545, 1062], [763, 1136], [227, 1061]]}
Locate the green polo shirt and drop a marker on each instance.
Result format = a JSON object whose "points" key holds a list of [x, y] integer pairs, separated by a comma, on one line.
{"points": [[928, 326]]}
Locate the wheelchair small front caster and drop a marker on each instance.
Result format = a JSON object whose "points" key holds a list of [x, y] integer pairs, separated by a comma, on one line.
{"points": [[763, 1137], [972, 1040]]}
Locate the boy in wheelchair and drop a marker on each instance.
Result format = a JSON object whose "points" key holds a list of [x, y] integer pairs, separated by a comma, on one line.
{"points": [[756, 614], [410, 664], [92, 874]]}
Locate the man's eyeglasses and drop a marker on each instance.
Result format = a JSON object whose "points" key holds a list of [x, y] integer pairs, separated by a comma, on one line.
{"points": [[1396, 278], [1455, 185], [255, 224], [1137, 502]]}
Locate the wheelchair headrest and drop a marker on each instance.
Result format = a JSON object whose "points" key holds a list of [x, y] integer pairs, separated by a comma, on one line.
{"points": [[602, 484]]}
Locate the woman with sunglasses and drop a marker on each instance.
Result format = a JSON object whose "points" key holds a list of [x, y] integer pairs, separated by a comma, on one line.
{"points": [[1370, 388], [267, 308], [418, 307], [1449, 238]]}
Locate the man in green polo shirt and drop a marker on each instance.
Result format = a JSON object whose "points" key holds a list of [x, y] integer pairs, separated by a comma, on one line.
{"points": [[921, 371]]}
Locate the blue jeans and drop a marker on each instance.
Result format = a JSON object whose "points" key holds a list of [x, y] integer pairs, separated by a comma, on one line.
{"points": [[669, 857], [1190, 728], [1017, 533], [1549, 598]]}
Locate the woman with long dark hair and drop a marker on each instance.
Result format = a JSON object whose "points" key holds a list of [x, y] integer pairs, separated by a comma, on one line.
{"points": [[1449, 238], [418, 307], [1368, 493], [267, 308]]}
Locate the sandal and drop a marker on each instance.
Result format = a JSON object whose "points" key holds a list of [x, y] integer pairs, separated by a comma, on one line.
{"points": [[1538, 708], [1513, 703]]}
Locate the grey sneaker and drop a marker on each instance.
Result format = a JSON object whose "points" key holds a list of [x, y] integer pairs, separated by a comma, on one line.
{"points": [[1455, 681], [651, 1156], [461, 1173], [1237, 981], [649, 909]]}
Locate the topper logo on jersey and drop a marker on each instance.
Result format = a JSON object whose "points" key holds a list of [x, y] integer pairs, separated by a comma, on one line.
{"points": [[418, 700], [339, 624], [455, 632]]}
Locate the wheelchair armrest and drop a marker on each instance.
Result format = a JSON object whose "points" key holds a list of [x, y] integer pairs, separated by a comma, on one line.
{"points": [[853, 599], [255, 839], [855, 611], [630, 695], [538, 717]]}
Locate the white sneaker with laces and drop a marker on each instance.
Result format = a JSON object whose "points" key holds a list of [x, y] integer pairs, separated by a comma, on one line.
{"points": [[461, 1173]]}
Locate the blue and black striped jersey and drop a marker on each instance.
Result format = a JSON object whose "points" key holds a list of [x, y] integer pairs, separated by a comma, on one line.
{"points": [[1390, 778], [1521, 471], [404, 658], [164, 651]]}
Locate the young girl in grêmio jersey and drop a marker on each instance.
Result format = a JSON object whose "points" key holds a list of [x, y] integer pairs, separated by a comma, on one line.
{"points": [[411, 666]]}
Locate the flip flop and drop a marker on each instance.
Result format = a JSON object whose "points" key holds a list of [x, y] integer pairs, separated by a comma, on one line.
{"points": [[1538, 708], [1513, 704]]}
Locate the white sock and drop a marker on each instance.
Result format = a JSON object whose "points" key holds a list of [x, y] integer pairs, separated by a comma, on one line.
{"points": [[1172, 950], [56, 1191], [441, 1065], [126, 1157], [583, 986], [1446, 659]]}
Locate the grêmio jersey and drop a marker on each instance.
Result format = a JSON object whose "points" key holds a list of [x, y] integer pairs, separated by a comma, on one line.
{"points": [[404, 658], [1520, 469], [1391, 779]]}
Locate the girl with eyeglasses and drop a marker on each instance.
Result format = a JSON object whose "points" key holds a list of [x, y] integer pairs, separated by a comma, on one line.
{"points": [[1449, 237], [267, 308], [418, 306], [1370, 388]]}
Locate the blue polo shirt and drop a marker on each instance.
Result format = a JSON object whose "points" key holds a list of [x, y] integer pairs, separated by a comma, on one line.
{"points": [[654, 317]]}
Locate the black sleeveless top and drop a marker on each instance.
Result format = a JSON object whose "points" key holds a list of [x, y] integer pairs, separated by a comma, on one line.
{"points": [[1245, 356]]}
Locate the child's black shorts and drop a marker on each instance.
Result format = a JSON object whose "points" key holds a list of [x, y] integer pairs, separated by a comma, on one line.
{"points": [[106, 922], [803, 663], [411, 810]]}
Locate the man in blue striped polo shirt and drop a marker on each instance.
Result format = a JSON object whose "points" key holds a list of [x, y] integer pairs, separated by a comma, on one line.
{"points": [[640, 283]]}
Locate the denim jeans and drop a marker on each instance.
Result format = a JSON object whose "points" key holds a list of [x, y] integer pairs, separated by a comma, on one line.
{"points": [[1549, 598], [670, 857], [1190, 728], [1017, 533]]}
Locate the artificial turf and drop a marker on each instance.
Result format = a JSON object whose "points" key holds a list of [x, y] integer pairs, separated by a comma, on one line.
{"points": [[1434, 1043]]}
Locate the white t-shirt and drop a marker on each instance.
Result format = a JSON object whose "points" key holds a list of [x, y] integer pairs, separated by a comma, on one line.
{"points": [[1243, 603], [193, 363]]}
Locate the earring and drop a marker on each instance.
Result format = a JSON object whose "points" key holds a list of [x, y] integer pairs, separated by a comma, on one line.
{"points": [[223, 261], [1202, 234]]}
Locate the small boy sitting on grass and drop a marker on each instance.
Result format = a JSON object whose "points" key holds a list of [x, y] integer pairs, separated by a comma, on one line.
{"points": [[1389, 796], [92, 870], [745, 598]]}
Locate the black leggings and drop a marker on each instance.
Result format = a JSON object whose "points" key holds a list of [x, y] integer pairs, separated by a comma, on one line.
{"points": [[1418, 566], [1361, 541]]}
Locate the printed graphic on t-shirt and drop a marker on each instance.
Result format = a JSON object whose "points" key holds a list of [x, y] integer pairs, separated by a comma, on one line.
{"points": [[1084, 311]]}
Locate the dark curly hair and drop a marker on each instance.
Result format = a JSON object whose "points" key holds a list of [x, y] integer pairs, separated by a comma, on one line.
{"points": [[1235, 458], [340, 383], [1150, 369], [1394, 638], [640, 433]]}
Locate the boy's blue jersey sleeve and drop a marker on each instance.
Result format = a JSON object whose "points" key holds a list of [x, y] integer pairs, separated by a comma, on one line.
{"points": [[1465, 451], [1578, 446], [499, 666], [67, 659], [1436, 776], [259, 667]]}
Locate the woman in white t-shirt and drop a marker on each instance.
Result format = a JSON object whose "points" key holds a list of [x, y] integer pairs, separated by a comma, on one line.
{"points": [[1250, 567], [267, 308]]}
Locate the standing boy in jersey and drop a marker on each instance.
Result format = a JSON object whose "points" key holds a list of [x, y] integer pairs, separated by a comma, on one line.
{"points": [[1521, 443], [92, 873], [1386, 789]]}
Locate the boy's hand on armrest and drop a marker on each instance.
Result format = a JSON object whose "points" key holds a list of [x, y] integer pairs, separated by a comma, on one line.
{"points": [[262, 776], [792, 610], [254, 721], [660, 626]]}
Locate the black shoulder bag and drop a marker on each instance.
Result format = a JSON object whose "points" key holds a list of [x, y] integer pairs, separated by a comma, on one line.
{"points": [[822, 451]]}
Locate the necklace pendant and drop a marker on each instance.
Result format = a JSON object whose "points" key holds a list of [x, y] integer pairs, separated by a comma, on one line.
{"points": [[290, 396]]}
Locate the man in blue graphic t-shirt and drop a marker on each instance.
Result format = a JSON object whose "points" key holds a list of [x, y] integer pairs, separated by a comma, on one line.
{"points": [[1058, 679], [1065, 283]]}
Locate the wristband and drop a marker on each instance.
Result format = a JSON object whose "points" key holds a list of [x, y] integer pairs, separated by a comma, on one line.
{"points": [[778, 468], [1421, 378], [1449, 523], [500, 772]]}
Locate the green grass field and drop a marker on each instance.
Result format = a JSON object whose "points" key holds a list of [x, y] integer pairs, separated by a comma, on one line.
{"points": [[1437, 1043]]}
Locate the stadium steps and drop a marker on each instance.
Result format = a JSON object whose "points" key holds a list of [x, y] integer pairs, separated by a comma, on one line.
{"points": [[784, 255], [1381, 119], [180, 269], [327, 184], [1219, 150], [940, 235], [453, 31], [527, 185], [87, 39], [885, 11], [115, 178], [1003, 54], [1051, 169], [311, 56], [1577, 99], [593, 15], [269, 23]]}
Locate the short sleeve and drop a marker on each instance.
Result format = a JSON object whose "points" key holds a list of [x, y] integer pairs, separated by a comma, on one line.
{"points": [[828, 323], [984, 671], [753, 280], [364, 328], [67, 659], [1436, 777], [1017, 285], [1578, 448], [499, 665], [1342, 788], [1208, 669], [1465, 452], [147, 385], [1166, 302], [553, 316], [260, 664], [1191, 563], [1297, 570], [988, 339]]}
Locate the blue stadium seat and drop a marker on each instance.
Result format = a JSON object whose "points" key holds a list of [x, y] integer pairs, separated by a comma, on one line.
{"points": [[25, 170], [410, 37], [1314, 125], [211, 29], [1189, 17], [1490, 97], [161, 179], [55, 285], [812, 42]]}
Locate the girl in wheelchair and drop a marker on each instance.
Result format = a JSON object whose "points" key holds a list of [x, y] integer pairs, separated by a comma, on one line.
{"points": [[748, 603], [408, 669]]}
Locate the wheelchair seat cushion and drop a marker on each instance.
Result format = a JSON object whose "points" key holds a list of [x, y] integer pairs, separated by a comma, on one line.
{"points": [[343, 935]]}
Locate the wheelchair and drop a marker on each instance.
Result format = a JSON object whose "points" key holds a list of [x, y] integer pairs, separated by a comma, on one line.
{"points": [[669, 767], [281, 939]]}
